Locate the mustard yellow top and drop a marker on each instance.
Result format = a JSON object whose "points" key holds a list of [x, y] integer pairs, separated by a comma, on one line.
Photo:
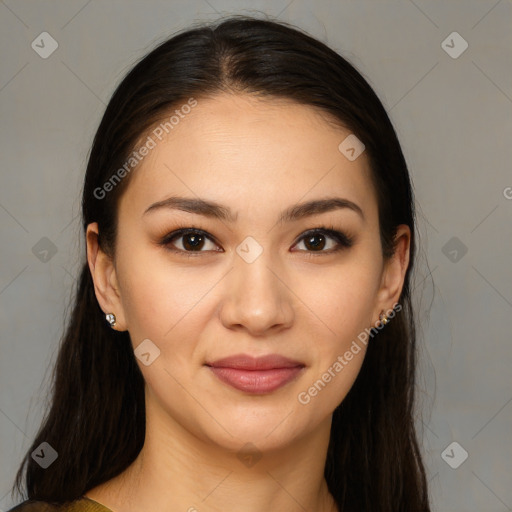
{"points": [[83, 504]]}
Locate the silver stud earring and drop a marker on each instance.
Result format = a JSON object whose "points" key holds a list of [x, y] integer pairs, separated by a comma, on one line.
{"points": [[111, 319]]}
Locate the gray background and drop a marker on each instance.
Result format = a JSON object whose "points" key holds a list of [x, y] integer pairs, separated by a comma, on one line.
{"points": [[453, 118]]}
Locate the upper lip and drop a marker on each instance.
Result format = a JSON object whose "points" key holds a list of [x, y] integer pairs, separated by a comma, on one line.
{"points": [[247, 362]]}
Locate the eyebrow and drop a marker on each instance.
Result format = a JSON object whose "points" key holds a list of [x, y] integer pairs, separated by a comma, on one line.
{"points": [[218, 211]]}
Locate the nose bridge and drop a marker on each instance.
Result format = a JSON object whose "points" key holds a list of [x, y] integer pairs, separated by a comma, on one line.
{"points": [[253, 270], [256, 298]]}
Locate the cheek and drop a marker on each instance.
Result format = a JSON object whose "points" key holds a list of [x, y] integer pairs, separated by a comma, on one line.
{"points": [[158, 295], [340, 302], [342, 298]]}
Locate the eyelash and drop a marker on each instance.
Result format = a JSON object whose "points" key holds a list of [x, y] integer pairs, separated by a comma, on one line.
{"points": [[344, 241]]}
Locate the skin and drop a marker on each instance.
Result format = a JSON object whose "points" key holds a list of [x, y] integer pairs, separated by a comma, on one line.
{"points": [[257, 157]]}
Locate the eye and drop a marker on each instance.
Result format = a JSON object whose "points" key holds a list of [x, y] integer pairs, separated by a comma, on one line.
{"points": [[193, 240], [189, 240], [316, 240]]}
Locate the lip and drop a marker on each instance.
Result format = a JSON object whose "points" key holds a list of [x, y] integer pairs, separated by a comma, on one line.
{"points": [[256, 375], [247, 362]]}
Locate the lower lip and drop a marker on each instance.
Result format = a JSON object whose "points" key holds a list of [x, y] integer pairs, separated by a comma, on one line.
{"points": [[256, 381]]}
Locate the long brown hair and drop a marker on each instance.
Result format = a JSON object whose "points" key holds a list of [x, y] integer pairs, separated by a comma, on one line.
{"points": [[96, 421]]}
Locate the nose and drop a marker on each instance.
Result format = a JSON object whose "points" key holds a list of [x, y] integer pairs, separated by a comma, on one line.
{"points": [[257, 297]]}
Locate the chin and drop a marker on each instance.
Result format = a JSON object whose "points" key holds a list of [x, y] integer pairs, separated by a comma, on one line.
{"points": [[266, 430]]}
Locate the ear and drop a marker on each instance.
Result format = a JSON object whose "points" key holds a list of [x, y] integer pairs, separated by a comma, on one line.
{"points": [[104, 276], [393, 274]]}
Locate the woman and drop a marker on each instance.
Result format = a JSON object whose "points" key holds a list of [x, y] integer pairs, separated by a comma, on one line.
{"points": [[242, 337]]}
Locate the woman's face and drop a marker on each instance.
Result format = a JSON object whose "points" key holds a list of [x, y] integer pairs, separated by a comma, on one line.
{"points": [[254, 281]]}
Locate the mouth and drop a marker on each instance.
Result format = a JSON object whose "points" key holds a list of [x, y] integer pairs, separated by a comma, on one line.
{"points": [[256, 375]]}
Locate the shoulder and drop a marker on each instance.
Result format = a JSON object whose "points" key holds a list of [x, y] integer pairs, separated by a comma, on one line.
{"points": [[33, 506], [83, 504]]}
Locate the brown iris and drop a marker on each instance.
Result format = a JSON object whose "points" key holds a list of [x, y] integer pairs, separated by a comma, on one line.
{"points": [[193, 241], [309, 241]]}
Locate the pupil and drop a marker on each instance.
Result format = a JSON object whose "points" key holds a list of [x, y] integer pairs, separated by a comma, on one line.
{"points": [[318, 244], [192, 241]]}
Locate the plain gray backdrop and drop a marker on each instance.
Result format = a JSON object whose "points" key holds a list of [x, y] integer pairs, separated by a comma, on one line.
{"points": [[452, 109]]}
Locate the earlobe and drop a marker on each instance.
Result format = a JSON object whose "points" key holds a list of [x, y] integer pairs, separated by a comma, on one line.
{"points": [[103, 273]]}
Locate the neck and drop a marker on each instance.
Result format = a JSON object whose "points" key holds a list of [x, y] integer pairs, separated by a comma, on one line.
{"points": [[177, 470]]}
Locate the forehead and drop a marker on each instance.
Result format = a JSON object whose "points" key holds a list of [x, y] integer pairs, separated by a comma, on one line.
{"points": [[254, 155]]}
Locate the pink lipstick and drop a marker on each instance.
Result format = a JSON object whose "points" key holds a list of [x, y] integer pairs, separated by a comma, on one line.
{"points": [[256, 375]]}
